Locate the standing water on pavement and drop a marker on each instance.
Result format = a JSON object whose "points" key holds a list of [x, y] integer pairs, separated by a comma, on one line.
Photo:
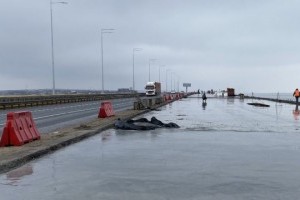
{"points": [[225, 149]]}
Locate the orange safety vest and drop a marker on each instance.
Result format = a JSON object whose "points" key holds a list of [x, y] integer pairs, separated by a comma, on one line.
{"points": [[297, 93]]}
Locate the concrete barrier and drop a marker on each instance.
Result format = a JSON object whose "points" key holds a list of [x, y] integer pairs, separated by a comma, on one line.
{"points": [[149, 102]]}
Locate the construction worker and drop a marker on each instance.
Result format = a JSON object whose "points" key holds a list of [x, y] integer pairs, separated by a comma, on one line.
{"points": [[296, 95]]}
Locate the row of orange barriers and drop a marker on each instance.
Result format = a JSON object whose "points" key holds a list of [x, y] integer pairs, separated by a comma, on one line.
{"points": [[20, 127], [172, 97]]}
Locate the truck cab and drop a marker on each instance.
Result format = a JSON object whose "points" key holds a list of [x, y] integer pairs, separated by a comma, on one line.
{"points": [[153, 88]]}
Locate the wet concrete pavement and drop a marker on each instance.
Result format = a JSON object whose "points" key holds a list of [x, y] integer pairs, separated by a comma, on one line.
{"points": [[226, 150]]}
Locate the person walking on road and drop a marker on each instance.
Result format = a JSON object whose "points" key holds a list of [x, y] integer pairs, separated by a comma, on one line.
{"points": [[204, 97], [296, 95]]}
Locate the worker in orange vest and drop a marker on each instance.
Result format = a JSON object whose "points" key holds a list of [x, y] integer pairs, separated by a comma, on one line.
{"points": [[296, 95]]}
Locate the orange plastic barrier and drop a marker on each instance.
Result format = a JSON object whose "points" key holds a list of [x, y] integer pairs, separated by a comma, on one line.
{"points": [[19, 129], [106, 110], [166, 97]]}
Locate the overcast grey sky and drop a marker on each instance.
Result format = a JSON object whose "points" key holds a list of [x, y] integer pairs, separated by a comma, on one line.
{"points": [[250, 45]]}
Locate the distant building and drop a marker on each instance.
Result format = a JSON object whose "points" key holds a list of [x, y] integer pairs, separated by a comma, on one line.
{"points": [[230, 92]]}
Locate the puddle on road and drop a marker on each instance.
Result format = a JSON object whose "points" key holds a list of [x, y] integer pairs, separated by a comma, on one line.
{"points": [[227, 151]]}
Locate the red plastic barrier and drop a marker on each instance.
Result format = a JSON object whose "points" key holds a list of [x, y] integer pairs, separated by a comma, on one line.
{"points": [[19, 129], [166, 97], [31, 126], [106, 110]]}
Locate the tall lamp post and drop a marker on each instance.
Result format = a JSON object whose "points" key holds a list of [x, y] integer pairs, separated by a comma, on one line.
{"points": [[173, 82], [151, 60], [103, 31], [159, 67], [176, 82], [168, 70], [52, 43], [134, 50]]}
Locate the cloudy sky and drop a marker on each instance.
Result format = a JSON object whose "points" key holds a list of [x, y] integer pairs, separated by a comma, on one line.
{"points": [[250, 45]]}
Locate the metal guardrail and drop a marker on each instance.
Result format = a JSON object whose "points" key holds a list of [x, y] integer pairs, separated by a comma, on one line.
{"points": [[271, 99], [39, 100]]}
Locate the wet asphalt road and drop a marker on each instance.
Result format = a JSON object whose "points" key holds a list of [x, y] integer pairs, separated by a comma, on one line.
{"points": [[53, 117], [225, 150]]}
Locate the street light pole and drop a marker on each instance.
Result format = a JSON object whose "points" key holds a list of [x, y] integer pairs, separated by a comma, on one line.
{"points": [[134, 50], [178, 80], [160, 66], [150, 60], [175, 80], [103, 31], [167, 79], [177, 84], [52, 43], [52, 51], [171, 81]]}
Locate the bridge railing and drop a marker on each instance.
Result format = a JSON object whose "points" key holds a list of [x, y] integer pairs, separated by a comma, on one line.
{"points": [[288, 101], [38, 100]]}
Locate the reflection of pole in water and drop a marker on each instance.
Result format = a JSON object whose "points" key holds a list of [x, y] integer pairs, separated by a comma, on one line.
{"points": [[278, 104], [16, 175], [278, 100], [53, 175], [276, 112]]}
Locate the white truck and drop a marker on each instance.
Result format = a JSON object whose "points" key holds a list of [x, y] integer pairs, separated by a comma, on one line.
{"points": [[153, 88]]}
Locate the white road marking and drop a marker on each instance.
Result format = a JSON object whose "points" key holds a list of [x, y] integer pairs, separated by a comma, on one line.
{"points": [[64, 113]]}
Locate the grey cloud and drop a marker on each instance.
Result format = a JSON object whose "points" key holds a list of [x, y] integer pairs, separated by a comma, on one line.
{"points": [[212, 44]]}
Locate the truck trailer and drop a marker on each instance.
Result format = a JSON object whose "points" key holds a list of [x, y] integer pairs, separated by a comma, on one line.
{"points": [[153, 88]]}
